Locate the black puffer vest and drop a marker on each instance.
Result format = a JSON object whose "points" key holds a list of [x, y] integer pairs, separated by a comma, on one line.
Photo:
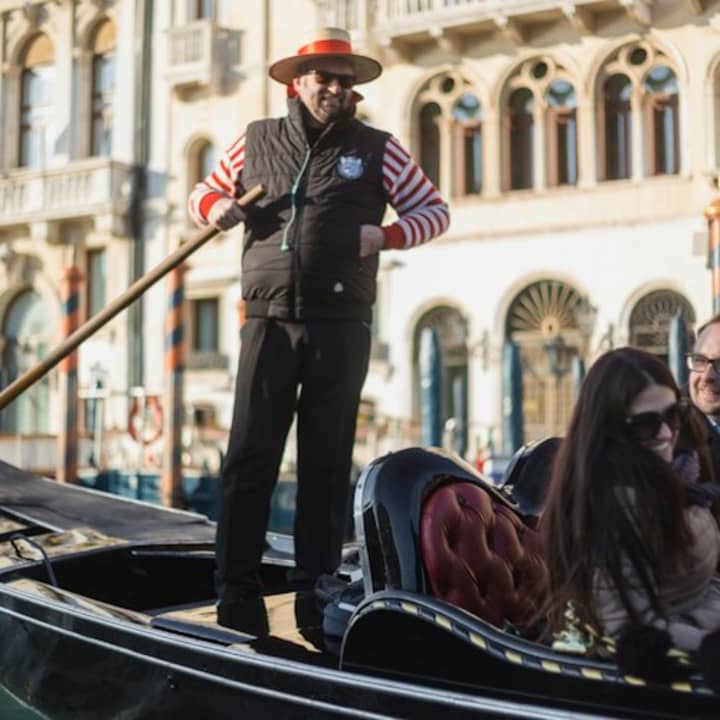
{"points": [[301, 256]]}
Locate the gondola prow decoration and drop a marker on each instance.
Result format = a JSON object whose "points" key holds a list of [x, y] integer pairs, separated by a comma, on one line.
{"points": [[119, 304]]}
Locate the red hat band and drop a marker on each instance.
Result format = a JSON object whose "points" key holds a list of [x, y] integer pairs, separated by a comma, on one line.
{"points": [[326, 47]]}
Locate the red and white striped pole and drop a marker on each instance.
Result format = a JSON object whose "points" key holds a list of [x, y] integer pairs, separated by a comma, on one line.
{"points": [[174, 410], [712, 215], [66, 470]]}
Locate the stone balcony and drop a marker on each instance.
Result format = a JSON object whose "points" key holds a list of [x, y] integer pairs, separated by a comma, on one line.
{"points": [[417, 21], [93, 187], [201, 53]]}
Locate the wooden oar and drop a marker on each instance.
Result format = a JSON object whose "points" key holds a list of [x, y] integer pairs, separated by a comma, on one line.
{"points": [[118, 304]]}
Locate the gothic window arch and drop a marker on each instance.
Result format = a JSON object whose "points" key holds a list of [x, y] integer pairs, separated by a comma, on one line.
{"points": [[37, 102], [201, 9], [639, 123], [561, 106], [449, 134], [550, 322], [201, 161], [103, 88], [26, 336], [539, 120], [617, 92], [452, 330], [522, 138], [430, 114], [661, 121], [650, 321]]}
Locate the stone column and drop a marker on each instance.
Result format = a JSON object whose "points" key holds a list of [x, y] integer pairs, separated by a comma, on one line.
{"points": [[539, 146], [587, 146], [492, 155], [636, 111]]}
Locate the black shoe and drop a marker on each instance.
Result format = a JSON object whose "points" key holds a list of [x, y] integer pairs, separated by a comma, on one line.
{"points": [[245, 613]]}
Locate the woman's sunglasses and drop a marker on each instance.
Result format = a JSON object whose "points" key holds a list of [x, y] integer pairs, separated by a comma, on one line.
{"points": [[646, 425]]}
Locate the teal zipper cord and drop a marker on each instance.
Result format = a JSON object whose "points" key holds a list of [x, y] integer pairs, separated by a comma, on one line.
{"points": [[285, 245]]}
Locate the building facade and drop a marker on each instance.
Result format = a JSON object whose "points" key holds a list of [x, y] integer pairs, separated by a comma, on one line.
{"points": [[577, 142]]}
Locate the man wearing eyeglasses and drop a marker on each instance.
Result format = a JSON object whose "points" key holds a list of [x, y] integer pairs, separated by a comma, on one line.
{"points": [[704, 383], [310, 260]]}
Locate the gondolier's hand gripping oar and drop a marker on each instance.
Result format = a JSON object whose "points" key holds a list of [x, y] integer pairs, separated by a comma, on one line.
{"points": [[120, 303]]}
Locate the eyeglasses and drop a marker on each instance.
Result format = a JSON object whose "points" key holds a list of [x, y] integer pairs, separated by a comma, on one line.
{"points": [[699, 363], [646, 425], [325, 78]]}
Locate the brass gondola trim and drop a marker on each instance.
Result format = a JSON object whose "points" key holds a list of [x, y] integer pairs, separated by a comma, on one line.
{"points": [[461, 630], [632, 680], [682, 686], [443, 622]]}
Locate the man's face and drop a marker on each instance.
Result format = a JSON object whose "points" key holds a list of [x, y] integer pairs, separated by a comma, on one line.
{"points": [[705, 385], [325, 89]]}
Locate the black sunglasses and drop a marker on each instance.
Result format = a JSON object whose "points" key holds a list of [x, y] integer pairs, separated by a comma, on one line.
{"points": [[646, 425], [325, 78]]}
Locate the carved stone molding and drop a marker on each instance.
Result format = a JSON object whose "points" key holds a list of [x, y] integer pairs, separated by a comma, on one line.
{"points": [[639, 10], [87, 14], [25, 22]]}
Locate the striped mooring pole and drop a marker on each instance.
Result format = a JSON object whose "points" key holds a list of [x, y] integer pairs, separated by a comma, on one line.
{"points": [[68, 437], [174, 411], [712, 215]]}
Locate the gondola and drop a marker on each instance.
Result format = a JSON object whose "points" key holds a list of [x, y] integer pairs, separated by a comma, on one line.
{"points": [[107, 609]]}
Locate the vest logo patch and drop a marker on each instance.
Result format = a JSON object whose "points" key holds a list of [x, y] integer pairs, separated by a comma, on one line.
{"points": [[350, 167]]}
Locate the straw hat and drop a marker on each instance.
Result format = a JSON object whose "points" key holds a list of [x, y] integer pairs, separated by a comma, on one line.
{"points": [[329, 42]]}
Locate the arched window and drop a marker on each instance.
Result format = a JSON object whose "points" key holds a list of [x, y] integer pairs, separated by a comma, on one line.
{"points": [[561, 133], [448, 134], [26, 331], [430, 141], [638, 97], [37, 103], [452, 331], [550, 322], [618, 127], [201, 161], [661, 121], [467, 116], [522, 139], [650, 321], [202, 9], [103, 89]]}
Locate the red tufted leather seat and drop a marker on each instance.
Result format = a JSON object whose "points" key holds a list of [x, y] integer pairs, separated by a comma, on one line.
{"points": [[480, 555]]}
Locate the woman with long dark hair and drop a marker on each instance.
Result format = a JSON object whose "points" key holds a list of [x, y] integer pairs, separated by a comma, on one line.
{"points": [[631, 536]]}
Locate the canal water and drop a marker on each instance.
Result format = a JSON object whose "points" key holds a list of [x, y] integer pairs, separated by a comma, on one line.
{"points": [[12, 709]]}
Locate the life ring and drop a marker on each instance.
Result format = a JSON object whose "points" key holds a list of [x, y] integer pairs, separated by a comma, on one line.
{"points": [[145, 420]]}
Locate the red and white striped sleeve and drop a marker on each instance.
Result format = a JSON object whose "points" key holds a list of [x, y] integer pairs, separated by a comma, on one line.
{"points": [[225, 181], [422, 213]]}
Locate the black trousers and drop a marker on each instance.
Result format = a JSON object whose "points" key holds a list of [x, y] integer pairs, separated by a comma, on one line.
{"points": [[317, 369]]}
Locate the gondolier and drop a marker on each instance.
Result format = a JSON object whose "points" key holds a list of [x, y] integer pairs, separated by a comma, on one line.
{"points": [[309, 266]]}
